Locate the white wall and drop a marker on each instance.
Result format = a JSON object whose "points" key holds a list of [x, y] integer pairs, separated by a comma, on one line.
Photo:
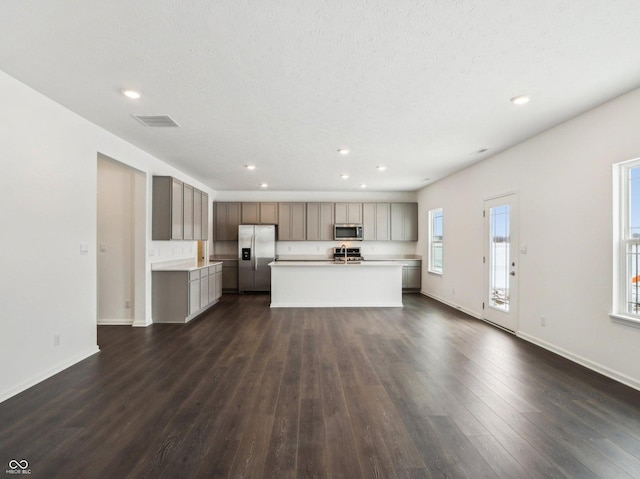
{"points": [[563, 178], [48, 285]]}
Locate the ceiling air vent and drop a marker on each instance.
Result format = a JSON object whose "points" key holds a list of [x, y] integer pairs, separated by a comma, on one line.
{"points": [[157, 121]]}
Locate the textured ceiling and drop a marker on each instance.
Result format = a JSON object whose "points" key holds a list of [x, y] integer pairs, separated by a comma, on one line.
{"points": [[417, 86]]}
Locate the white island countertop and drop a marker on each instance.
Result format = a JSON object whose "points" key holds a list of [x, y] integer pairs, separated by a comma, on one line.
{"points": [[333, 264], [329, 284]]}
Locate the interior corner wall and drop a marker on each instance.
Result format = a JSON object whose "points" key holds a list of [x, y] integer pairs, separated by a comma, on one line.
{"points": [[563, 178], [48, 289]]}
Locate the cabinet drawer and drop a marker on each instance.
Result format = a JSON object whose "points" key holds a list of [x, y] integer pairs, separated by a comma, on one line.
{"points": [[193, 275]]}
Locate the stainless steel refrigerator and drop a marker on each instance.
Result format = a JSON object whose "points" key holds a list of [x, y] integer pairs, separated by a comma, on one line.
{"points": [[256, 249]]}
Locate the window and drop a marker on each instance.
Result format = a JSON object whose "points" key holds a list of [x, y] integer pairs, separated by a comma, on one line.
{"points": [[626, 303], [436, 230]]}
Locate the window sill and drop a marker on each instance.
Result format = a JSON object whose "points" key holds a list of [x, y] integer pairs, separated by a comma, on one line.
{"points": [[439, 273], [625, 320]]}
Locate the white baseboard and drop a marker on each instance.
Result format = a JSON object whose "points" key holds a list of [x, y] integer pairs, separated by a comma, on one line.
{"points": [[136, 323], [453, 305], [115, 322], [599, 368], [141, 323], [6, 394]]}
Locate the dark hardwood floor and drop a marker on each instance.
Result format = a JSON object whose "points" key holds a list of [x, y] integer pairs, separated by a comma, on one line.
{"points": [[245, 391]]}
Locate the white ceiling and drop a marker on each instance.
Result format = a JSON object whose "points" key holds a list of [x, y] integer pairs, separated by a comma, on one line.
{"points": [[417, 86]]}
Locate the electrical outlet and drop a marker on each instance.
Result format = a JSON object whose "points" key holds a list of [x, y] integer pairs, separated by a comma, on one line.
{"points": [[543, 321], [56, 340], [453, 291], [127, 304]]}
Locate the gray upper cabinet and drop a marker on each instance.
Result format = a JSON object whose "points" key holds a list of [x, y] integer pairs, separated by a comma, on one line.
{"points": [[226, 220], [348, 212], [320, 221], [179, 211], [205, 216], [404, 222], [167, 212], [376, 221], [269, 213], [197, 214], [250, 213], [188, 212], [254, 213], [291, 221], [176, 208]]}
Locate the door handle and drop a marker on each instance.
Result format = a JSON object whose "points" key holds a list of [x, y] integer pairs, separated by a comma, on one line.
{"points": [[255, 256]]}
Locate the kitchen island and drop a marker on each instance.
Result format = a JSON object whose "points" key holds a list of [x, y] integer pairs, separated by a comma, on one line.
{"points": [[317, 284]]}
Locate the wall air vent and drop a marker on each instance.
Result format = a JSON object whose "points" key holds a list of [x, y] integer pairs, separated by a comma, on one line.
{"points": [[157, 121]]}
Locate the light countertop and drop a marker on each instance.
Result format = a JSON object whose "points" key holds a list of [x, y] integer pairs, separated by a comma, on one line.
{"points": [[391, 257], [182, 266]]}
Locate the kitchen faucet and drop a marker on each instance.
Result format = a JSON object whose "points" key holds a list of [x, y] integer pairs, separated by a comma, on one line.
{"points": [[344, 248]]}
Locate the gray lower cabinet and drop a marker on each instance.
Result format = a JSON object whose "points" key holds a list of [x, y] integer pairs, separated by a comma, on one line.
{"points": [[194, 292], [411, 274], [204, 288], [211, 283], [179, 296], [218, 282], [230, 276]]}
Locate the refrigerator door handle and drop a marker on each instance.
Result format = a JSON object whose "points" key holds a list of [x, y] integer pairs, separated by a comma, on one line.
{"points": [[255, 256]]}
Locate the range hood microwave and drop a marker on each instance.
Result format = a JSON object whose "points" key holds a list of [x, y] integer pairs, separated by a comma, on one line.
{"points": [[350, 232]]}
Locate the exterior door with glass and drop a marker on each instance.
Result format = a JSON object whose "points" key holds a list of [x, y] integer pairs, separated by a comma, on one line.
{"points": [[500, 303]]}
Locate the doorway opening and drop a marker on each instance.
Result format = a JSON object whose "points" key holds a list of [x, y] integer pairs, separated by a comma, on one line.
{"points": [[121, 225]]}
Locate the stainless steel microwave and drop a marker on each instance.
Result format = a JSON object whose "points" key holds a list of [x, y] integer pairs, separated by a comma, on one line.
{"points": [[351, 232]]}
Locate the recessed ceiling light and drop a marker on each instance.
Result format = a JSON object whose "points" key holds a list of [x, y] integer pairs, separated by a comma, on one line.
{"points": [[363, 186], [344, 176], [343, 151], [263, 185], [381, 168], [520, 100], [131, 94], [250, 167]]}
